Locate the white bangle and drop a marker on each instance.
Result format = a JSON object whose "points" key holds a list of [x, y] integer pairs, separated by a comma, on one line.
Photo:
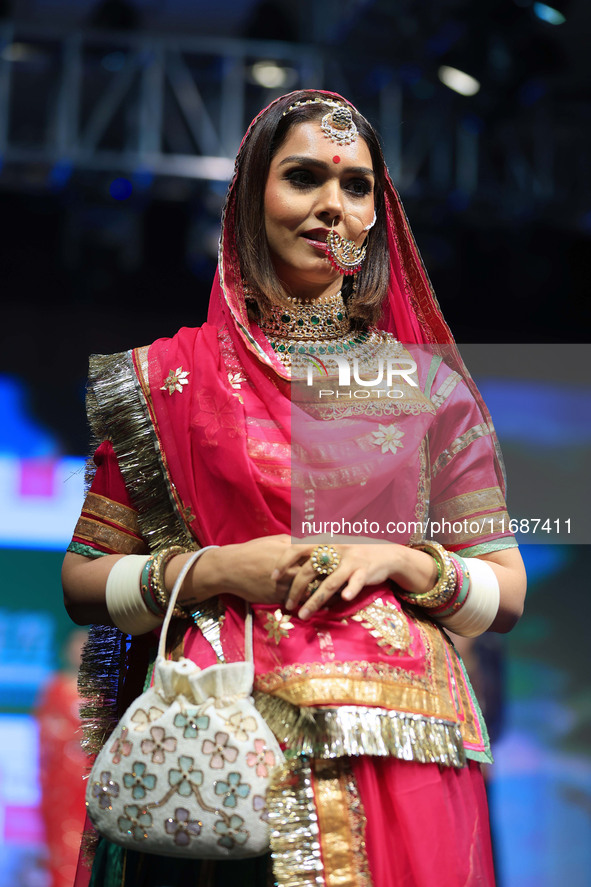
{"points": [[482, 603], [124, 598]]}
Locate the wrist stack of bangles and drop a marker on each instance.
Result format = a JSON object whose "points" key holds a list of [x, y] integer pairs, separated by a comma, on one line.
{"points": [[136, 595], [152, 587], [465, 597]]}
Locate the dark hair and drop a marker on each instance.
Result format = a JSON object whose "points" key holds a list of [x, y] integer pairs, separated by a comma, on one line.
{"points": [[263, 142]]}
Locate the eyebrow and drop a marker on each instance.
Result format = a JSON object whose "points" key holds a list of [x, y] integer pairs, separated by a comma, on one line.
{"points": [[311, 161]]}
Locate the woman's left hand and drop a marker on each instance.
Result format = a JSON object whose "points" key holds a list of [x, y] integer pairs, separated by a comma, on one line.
{"points": [[360, 564]]}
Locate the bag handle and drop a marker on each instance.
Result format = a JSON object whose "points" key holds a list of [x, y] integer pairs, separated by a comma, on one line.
{"points": [[248, 648]]}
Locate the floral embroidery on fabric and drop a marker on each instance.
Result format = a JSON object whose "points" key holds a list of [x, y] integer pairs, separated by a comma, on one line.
{"points": [[236, 379], [278, 625], [231, 832], [175, 381], [261, 758], [191, 722], [182, 827], [186, 778], [135, 822], [232, 790], [389, 438], [105, 790], [139, 781], [141, 720], [220, 751], [158, 745], [216, 415], [386, 624], [240, 726], [121, 747]]}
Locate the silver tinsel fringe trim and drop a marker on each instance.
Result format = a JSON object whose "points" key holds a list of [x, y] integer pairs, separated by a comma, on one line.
{"points": [[355, 730], [293, 823], [117, 410]]}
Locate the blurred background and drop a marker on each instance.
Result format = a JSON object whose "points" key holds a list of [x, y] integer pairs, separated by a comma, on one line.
{"points": [[119, 122]]}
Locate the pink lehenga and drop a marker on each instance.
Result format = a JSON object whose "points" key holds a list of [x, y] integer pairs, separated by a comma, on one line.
{"points": [[206, 440]]}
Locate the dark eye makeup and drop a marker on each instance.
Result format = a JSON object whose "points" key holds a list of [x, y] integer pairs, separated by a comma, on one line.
{"points": [[302, 178]]}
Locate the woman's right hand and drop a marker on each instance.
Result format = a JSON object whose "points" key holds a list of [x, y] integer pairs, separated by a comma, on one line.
{"points": [[243, 569]]}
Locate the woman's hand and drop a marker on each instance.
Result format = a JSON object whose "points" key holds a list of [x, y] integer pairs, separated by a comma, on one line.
{"points": [[244, 569], [360, 564]]}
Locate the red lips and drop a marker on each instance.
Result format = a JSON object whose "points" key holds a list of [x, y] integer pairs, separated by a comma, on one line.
{"points": [[317, 234]]}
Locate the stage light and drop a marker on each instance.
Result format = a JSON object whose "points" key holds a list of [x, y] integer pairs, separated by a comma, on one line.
{"points": [[458, 80], [120, 188], [549, 14], [271, 75], [20, 52]]}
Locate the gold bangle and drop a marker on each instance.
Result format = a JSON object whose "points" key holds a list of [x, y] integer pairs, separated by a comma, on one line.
{"points": [[445, 587], [157, 568]]}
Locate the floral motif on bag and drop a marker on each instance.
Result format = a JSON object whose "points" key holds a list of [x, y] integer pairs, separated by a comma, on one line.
{"points": [[240, 726], [185, 779], [191, 723], [259, 805], [220, 751], [106, 790], [261, 758], [141, 719], [121, 746], [139, 781], [158, 745], [231, 831], [135, 822], [232, 790], [182, 827]]}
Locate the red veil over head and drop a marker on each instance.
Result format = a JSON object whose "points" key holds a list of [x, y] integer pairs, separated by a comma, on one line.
{"points": [[410, 309]]}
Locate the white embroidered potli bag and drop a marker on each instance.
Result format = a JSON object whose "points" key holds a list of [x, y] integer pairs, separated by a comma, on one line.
{"points": [[186, 770]]}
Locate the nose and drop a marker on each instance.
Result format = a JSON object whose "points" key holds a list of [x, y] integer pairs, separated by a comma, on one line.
{"points": [[330, 204]]}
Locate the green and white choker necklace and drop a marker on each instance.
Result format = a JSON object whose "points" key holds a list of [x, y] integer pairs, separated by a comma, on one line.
{"points": [[301, 321]]}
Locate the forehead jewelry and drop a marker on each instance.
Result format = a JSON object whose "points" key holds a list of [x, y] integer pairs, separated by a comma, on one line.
{"points": [[337, 125]]}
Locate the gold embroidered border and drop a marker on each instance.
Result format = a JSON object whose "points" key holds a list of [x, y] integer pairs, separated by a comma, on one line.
{"points": [[115, 512], [341, 825], [118, 541], [263, 450], [487, 499], [486, 525], [374, 684], [464, 440], [446, 388]]}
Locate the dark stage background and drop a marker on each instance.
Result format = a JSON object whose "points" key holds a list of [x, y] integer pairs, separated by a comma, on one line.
{"points": [[118, 127]]}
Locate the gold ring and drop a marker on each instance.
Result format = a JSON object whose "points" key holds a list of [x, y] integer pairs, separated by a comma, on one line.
{"points": [[325, 560]]}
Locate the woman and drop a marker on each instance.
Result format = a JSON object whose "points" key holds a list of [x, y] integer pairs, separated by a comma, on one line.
{"points": [[252, 428]]}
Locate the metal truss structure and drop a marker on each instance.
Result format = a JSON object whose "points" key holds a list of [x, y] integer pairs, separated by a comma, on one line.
{"points": [[171, 106]]}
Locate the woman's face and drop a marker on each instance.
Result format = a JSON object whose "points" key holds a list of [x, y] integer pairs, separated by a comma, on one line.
{"points": [[315, 185]]}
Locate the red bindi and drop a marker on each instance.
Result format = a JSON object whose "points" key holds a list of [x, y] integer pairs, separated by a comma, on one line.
{"points": [[336, 159]]}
